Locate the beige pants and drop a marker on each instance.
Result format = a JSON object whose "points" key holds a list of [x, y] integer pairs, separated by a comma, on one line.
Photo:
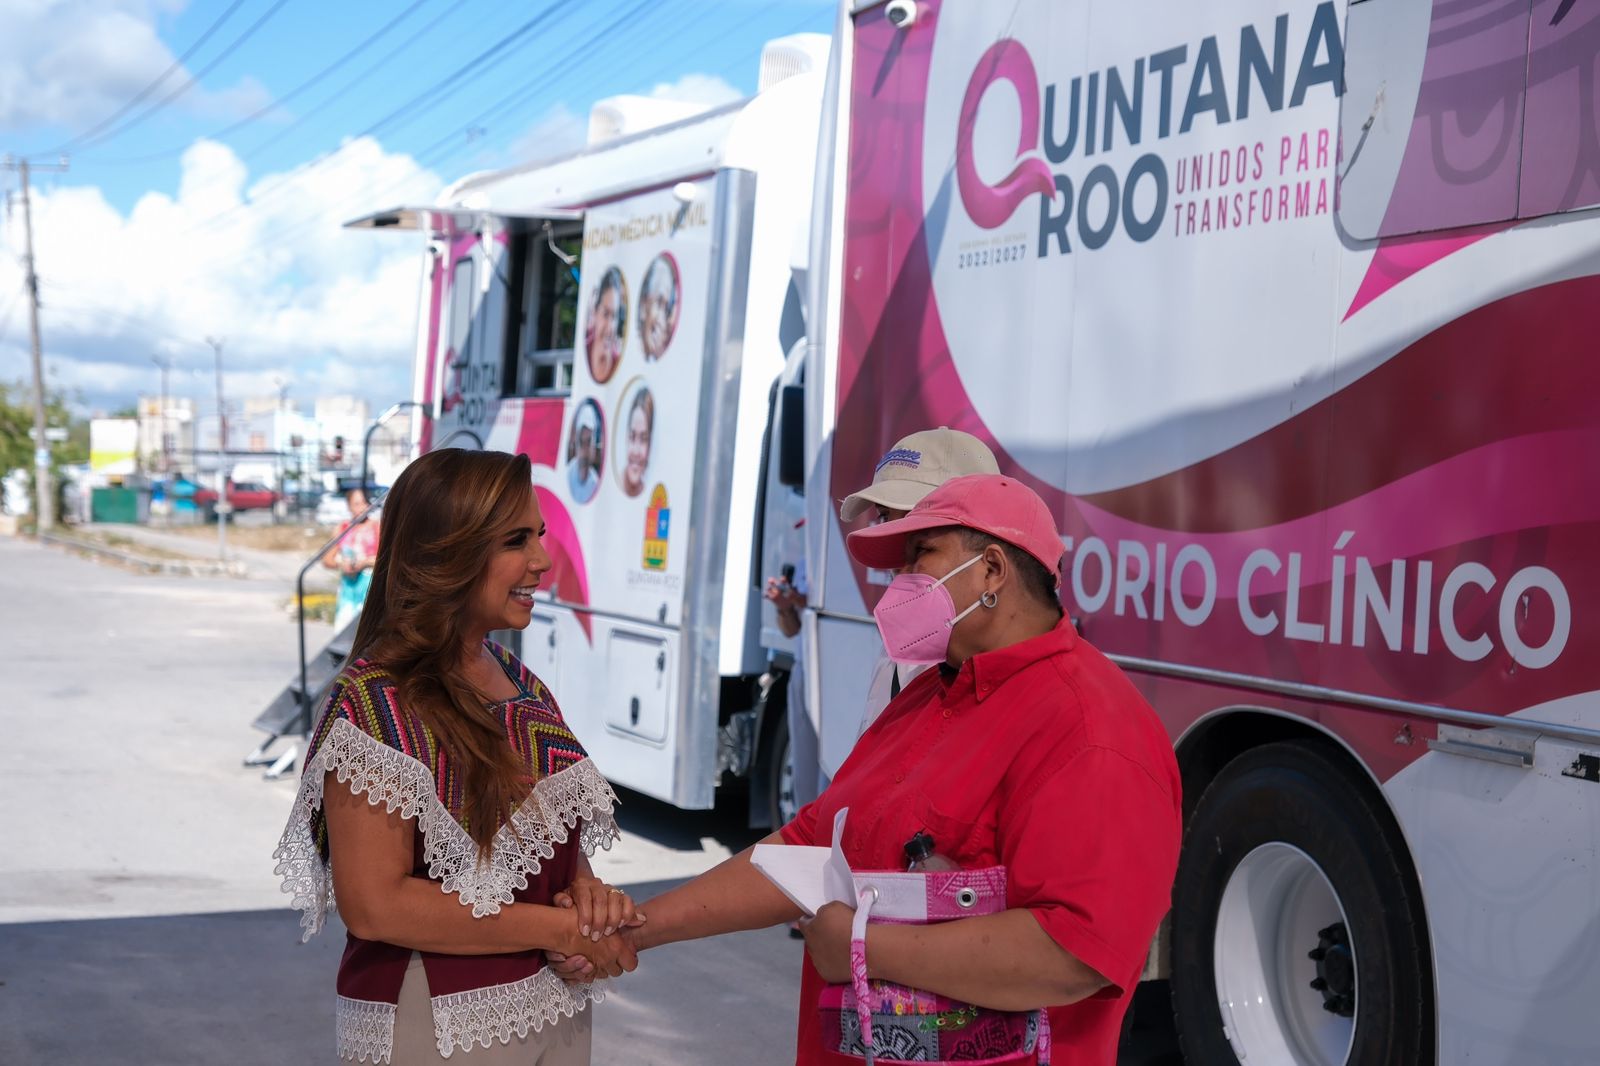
{"points": [[566, 1043]]}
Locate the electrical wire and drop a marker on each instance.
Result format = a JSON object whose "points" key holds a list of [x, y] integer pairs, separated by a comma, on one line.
{"points": [[340, 94], [194, 79], [464, 74], [143, 94], [280, 101], [448, 146]]}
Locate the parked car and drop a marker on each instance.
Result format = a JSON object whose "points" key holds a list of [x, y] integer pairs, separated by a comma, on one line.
{"points": [[332, 509], [242, 496]]}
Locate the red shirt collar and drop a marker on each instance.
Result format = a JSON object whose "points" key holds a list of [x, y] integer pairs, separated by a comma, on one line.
{"points": [[988, 670]]}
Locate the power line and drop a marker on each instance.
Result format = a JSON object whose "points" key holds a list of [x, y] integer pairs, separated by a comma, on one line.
{"points": [[431, 156], [280, 101], [444, 149], [468, 71], [540, 81], [339, 95], [142, 94], [193, 80]]}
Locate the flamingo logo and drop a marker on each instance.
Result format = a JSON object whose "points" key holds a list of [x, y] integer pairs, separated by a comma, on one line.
{"points": [[990, 205]]}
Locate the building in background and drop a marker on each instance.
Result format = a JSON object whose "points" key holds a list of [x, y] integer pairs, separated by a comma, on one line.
{"points": [[166, 435]]}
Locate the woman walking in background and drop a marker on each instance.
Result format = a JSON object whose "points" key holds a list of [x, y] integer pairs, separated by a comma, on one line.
{"points": [[446, 803], [353, 558]]}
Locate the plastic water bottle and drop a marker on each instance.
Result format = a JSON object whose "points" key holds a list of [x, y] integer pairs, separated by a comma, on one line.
{"points": [[922, 856]]}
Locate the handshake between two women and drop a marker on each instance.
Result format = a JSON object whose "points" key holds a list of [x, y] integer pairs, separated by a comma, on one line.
{"points": [[604, 919]]}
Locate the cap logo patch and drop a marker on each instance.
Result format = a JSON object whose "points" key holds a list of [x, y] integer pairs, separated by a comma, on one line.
{"points": [[900, 457]]}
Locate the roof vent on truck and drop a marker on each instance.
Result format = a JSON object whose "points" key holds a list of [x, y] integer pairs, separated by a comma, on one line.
{"points": [[785, 57], [619, 116]]}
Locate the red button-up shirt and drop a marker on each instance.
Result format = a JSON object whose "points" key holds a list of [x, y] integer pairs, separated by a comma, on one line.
{"points": [[1041, 757]]}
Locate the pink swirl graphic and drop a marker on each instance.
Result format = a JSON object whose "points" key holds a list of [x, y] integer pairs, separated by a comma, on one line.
{"points": [[990, 205]]}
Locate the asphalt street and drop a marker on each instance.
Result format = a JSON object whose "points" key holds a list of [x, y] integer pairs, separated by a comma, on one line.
{"points": [[140, 921]]}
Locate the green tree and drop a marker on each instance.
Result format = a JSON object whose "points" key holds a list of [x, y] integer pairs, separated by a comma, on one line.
{"points": [[16, 429]]}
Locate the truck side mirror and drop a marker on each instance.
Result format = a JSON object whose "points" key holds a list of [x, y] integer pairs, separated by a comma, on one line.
{"points": [[792, 437]]}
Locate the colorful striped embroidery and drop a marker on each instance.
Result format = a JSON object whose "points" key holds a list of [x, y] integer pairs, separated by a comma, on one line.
{"points": [[367, 696]]}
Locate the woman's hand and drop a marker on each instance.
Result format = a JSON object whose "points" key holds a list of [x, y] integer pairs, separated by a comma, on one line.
{"points": [[602, 909], [828, 941], [611, 957]]}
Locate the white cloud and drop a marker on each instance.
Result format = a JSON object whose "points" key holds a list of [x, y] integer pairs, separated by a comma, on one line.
{"points": [[705, 89], [560, 129], [264, 264], [74, 62]]}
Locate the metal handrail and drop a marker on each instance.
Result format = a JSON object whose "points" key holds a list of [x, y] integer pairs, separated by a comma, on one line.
{"points": [[463, 432], [366, 442], [304, 720]]}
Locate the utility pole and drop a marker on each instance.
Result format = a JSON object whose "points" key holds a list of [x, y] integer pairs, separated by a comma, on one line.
{"points": [[165, 363], [224, 508], [41, 443]]}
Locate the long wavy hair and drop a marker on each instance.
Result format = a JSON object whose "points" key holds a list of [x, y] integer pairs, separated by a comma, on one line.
{"points": [[447, 515]]}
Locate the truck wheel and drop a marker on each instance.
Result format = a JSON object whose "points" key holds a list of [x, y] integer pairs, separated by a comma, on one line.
{"points": [[1298, 935], [780, 778]]}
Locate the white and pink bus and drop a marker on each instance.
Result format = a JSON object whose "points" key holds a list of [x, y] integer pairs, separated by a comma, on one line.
{"points": [[1289, 309]]}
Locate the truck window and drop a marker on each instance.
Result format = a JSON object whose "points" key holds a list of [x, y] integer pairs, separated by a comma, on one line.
{"points": [[542, 310]]}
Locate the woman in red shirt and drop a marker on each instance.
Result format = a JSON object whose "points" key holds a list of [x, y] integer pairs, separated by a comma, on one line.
{"points": [[1026, 749]]}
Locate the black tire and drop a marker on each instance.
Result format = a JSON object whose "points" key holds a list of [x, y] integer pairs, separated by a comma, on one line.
{"points": [[780, 776], [1306, 793]]}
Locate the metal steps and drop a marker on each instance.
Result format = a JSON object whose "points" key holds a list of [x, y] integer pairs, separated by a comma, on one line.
{"points": [[291, 715]]}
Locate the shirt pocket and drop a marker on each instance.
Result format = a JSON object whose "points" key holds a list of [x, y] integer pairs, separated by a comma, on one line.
{"points": [[966, 836]]}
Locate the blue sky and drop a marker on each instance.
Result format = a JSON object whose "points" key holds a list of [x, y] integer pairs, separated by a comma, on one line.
{"points": [[211, 205]]}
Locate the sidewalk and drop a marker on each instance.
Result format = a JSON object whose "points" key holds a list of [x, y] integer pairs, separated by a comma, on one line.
{"points": [[279, 566]]}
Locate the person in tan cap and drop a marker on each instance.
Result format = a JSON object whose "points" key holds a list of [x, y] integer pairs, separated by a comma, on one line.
{"points": [[914, 467]]}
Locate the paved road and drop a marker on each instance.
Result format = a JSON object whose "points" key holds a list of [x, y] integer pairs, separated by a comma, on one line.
{"points": [[139, 918]]}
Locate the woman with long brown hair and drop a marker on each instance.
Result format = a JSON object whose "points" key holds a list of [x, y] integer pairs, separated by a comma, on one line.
{"points": [[446, 804]]}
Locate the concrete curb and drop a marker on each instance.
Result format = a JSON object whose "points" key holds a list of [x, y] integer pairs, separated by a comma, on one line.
{"points": [[145, 563]]}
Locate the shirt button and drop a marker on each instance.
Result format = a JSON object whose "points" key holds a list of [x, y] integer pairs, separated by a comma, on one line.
{"points": [[947, 712], [899, 778]]}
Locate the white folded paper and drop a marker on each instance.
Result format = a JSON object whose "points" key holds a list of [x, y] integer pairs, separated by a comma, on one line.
{"points": [[811, 877]]}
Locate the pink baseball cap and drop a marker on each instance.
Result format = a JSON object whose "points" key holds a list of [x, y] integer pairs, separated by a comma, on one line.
{"points": [[1000, 506]]}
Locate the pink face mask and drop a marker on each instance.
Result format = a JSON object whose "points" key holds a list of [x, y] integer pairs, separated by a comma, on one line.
{"points": [[916, 615]]}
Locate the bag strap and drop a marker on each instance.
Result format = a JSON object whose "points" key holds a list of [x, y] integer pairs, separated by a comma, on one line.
{"points": [[866, 896]]}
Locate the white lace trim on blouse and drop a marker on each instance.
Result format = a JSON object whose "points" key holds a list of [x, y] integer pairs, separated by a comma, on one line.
{"points": [[365, 1030], [499, 1012], [558, 804]]}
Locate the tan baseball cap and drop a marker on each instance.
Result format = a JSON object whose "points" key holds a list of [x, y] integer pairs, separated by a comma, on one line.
{"points": [[917, 465]]}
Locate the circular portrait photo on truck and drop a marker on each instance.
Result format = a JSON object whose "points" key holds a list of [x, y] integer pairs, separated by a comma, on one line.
{"points": [[607, 327], [659, 299], [636, 423], [586, 442]]}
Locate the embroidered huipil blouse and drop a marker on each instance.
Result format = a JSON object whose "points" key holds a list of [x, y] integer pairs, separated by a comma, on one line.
{"points": [[386, 754]]}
